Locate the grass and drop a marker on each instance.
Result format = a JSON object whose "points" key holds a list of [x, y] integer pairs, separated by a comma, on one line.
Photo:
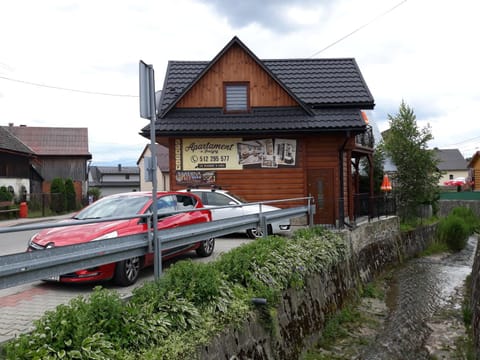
{"points": [[436, 247]]}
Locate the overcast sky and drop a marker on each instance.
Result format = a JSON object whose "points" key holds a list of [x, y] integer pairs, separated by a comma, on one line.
{"points": [[66, 63]]}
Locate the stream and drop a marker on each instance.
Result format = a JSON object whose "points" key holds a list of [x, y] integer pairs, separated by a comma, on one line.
{"points": [[418, 289]]}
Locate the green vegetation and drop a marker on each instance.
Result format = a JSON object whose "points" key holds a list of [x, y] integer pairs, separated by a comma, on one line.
{"points": [[455, 229], [57, 191], [417, 176], [63, 196], [189, 305], [70, 195], [5, 195], [95, 193]]}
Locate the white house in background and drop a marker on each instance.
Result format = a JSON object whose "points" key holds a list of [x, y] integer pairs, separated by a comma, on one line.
{"points": [[114, 179], [452, 164], [163, 169]]}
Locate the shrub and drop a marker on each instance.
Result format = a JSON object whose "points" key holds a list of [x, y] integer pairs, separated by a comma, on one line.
{"points": [[83, 329], [70, 195], [454, 232], [467, 214], [190, 304], [57, 191], [5, 195], [95, 193]]}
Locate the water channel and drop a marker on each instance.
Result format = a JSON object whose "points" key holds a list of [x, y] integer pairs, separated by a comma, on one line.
{"points": [[418, 289]]}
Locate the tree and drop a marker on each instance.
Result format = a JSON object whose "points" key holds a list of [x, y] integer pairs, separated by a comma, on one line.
{"points": [[71, 196], [417, 171], [57, 192]]}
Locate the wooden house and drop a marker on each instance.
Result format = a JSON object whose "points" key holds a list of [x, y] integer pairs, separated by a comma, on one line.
{"points": [[474, 171], [58, 153], [16, 172], [268, 129]]}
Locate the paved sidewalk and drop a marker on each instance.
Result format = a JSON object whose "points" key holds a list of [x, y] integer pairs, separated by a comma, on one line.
{"points": [[21, 305]]}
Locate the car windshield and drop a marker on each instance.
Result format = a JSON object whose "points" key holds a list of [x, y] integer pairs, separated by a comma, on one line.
{"points": [[117, 206], [237, 198]]}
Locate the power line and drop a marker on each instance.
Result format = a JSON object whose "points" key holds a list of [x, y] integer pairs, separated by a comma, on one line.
{"points": [[66, 89], [359, 28]]}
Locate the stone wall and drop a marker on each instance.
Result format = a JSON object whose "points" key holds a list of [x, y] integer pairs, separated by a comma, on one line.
{"points": [[298, 321], [447, 205], [475, 302]]}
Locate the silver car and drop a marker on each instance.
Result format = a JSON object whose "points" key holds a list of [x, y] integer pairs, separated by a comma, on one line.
{"points": [[212, 198]]}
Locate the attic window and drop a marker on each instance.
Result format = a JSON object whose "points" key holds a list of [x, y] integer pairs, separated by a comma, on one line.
{"points": [[236, 97]]}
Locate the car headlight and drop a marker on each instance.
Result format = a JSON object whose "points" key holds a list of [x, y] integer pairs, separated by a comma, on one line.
{"points": [[31, 242], [109, 235]]}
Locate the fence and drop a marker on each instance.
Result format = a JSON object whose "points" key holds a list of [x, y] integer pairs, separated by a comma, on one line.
{"points": [[373, 206], [17, 269]]}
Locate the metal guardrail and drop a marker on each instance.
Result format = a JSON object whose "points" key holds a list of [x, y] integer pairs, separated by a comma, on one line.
{"points": [[22, 268]]}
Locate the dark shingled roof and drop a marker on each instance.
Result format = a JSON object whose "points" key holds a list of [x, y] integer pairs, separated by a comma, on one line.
{"points": [[330, 93], [450, 159], [204, 121], [11, 143]]}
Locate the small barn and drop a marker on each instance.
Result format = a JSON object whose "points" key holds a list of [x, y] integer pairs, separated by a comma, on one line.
{"points": [[268, 129]]}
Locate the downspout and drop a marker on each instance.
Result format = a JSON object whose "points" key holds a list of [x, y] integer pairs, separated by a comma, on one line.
{"points": [[341, 209]]}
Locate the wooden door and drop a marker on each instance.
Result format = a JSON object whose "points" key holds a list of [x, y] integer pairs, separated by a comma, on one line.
{"points": [[321, 188]]}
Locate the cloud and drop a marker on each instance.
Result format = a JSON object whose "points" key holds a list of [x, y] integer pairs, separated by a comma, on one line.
{"points": [[281, 16], [422, 52]]}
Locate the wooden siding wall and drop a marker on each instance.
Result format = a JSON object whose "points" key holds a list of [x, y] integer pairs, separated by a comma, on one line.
{"points": [[313, 152], [13, 166], [65, 168], [258, 184], [476, 174], [236, 65]]}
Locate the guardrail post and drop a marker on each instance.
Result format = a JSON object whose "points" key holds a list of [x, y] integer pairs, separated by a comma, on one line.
{"points": [[263, 225], [150, 234], [311, 212]]}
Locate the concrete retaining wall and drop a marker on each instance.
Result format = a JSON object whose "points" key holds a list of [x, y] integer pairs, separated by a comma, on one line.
{"points": [[298, 320]]}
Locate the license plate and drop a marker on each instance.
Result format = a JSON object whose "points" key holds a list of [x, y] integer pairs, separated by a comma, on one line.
{"points": [[53, 278]]}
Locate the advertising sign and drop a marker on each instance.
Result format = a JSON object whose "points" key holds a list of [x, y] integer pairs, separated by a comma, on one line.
{"points": [[233, 154], [207, 154]]}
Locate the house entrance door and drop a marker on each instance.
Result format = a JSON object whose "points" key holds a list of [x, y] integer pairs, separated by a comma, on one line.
{"points": [[320, 187]]}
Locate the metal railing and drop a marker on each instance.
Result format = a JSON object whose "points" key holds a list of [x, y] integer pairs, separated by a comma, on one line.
{"points": [[22, 268], [373, 206]]}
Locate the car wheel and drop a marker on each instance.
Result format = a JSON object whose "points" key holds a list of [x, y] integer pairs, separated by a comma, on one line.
{"points": [[127, 271], [256, 233], [206, 248]]}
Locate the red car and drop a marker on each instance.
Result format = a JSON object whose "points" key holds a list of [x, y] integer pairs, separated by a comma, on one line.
{"points": [[125, 272], [459, 181]]}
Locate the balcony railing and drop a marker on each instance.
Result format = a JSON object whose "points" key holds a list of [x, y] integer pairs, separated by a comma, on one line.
{"points": [[366, 138]]}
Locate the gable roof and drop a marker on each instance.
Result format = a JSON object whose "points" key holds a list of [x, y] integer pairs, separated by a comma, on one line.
{"points": [[53, 140], [450, 159], [161, 156], [210, 64], [11, 143], [319, 86]]}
